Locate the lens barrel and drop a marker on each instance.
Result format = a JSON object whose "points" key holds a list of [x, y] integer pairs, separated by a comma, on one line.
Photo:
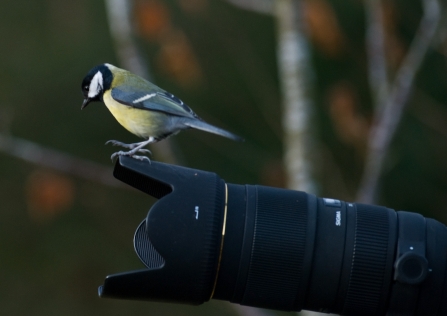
{"points": [[296, 251], [269, 266], [278, 249]]}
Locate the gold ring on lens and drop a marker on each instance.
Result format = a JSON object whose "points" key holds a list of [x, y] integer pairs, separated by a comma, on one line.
{"points": [[222, 242]]}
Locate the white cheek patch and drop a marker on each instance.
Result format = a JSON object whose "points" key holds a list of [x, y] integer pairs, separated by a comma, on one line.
{"points": [[95, 85], [146, 97]]}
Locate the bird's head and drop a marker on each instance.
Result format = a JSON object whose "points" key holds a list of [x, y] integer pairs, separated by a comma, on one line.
{"points": [[98, 80]]}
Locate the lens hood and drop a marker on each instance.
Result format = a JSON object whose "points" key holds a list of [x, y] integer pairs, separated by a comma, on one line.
{"points": [[180, 239]]}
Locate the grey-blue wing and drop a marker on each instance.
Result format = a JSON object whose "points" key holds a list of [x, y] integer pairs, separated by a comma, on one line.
{"points": [[153, 100]]}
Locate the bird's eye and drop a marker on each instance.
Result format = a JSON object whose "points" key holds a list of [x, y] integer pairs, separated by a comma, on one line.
{"points": [[86, 88]]}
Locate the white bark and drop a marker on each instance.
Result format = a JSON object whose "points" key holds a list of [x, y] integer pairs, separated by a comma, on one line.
{"points": [[388, 115], [296, 77]]}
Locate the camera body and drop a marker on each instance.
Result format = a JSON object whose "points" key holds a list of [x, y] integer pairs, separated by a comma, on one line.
{"points": [[278, 249]]}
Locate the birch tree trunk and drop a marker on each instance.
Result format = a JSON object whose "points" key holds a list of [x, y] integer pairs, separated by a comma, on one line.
{"points": [[296, 78]]}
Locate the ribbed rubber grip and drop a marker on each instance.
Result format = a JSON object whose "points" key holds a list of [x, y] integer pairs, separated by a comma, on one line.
{"points": [[276, 266], [365, 293], [144, 249]]}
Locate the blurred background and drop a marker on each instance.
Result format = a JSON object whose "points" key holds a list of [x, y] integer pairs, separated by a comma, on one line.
{"points": [[344, 99]]}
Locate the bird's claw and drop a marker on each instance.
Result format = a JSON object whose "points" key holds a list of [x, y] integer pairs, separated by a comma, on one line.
{"points": [[118, 143], [121, 144], [128, 146], [145, 151], [117, 154], [141, 158], [130, 154]]}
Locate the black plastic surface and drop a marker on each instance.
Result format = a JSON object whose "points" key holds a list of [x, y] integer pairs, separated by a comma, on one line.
{"points": [[184, 228], [283, 249]]}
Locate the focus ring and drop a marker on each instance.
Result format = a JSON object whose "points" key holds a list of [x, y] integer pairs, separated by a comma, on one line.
{"points": [[369, 261], [276, 266]]}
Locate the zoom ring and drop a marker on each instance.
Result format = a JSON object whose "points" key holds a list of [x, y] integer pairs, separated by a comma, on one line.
{"points": [[369, 262], [276, 266]]}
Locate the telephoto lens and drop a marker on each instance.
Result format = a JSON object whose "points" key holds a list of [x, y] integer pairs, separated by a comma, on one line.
{"points": [[278, 249]]}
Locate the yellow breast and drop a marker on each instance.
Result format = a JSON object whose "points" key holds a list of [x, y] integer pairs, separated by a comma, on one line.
{"points": [[139, 122]]}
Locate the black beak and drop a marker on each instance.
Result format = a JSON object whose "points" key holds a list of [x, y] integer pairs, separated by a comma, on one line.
{"points": [[85, 103]]}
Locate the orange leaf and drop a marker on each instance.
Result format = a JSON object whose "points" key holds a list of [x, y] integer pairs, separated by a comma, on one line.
{"points": [[153, 18], [351, 127], [177, 59], [48, 194], [323, 26]]}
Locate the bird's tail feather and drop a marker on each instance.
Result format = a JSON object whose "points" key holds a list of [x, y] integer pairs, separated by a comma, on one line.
{"points": [[203, 126]]}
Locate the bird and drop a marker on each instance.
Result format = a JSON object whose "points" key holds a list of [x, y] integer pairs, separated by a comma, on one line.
{"points": [[142, 108]]}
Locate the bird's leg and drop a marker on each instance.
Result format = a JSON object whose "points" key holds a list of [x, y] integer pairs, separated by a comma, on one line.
{"points": [[135, 149], [129, 146]]}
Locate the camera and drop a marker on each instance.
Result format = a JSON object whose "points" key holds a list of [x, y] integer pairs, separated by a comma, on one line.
{"points": [[278, 249]]}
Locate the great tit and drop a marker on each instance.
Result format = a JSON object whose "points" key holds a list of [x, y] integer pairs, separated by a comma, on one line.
{"points": [[142, 108]]}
